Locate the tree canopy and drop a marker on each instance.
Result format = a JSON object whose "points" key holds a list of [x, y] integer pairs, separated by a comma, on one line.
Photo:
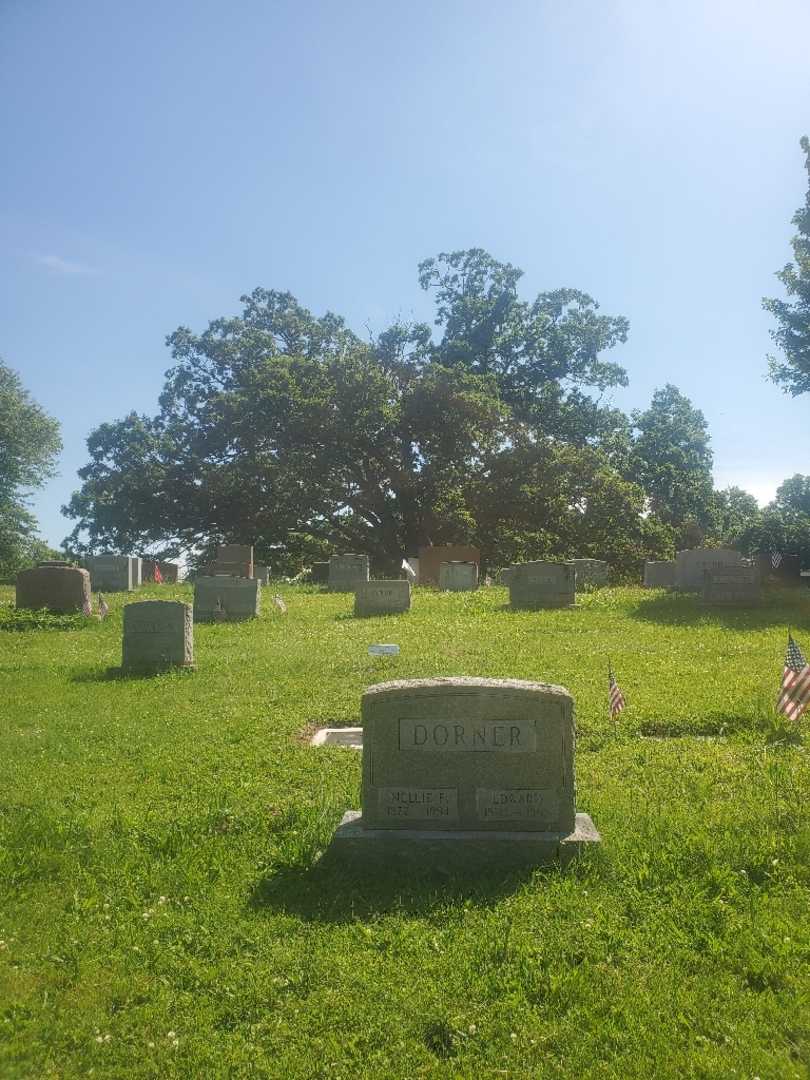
{"points": [[29, 444], [792, 334]]}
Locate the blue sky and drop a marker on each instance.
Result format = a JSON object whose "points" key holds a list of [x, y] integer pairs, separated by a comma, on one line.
{"points": [[160, 160]]}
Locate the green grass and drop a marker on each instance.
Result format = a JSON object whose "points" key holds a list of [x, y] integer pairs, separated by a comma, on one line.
{"points": [[161, 914]]}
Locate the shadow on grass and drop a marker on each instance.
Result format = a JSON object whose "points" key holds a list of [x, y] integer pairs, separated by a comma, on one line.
{"points": [[116, 674], [34, 620], [332, 892], [686, 609]]}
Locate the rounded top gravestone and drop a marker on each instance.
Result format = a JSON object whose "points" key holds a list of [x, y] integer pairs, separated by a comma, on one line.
{"points": [[57, 586]]}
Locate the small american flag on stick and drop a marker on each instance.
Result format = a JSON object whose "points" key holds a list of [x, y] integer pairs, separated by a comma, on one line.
{"points": [[103, 608], [158, 575], [794, 693], [615, 696], [776, 559]]}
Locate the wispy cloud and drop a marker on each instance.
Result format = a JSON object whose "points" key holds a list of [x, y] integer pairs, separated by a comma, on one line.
{"points": [[57, 265]]}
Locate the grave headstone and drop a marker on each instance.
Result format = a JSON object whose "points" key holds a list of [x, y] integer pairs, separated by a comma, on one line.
{"points": [[110, 573], [319, 573], [225, 598], [542, 584], [382, 597], [58, 586], [660, 574], [780, 568], [691, 563], [732, 586], [481, 767], [234, 559], [346, 572], [261, 573], [458, 576], [431, 559], [590, 571], [137, 570], [158, 634]]}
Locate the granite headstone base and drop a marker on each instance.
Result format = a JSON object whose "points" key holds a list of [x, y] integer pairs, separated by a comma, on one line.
{"points": [[444, 849]]}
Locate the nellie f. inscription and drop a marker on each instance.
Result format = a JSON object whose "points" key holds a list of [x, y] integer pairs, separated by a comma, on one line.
{"points": [[419, 804], [504, 736]]}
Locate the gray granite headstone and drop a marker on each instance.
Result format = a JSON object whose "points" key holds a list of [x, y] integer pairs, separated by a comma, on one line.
{"points": [[691, 564], [235, 559], [590, 571], [482, 766], [226, 599], [346, 572], [542, 585], [458, 576], [732, 586], [660, 575], [57, 586], [158, 634], [382, 597], [110, 573], [137, 570], [261, 573]]}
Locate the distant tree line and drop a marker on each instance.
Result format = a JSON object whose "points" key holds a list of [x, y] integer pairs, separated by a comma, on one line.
{"points": [[493, 427], [291, 432]]}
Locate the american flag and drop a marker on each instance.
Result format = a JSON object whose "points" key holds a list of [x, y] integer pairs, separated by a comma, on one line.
{"points": [[776, 559], [158, 575], [794, 693], [103, 607], [410, 573], [87, 607], [615, 696], [282, 607]]}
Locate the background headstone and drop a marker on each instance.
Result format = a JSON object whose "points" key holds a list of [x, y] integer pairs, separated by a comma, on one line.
{"points": [[58, 586], [660, 575], [732, 585], [431, 559], [590, 571], [465, 764], [110, 573], [691, 563], [780, 568], [346, 572], [542, 584], [382, 597], [235, 559], [261, 573], [137, 568], [158, 634], [458, 576], [226, 599]]}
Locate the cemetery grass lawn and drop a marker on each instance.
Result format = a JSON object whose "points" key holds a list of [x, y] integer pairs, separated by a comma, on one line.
{"points": [[160, 915]]}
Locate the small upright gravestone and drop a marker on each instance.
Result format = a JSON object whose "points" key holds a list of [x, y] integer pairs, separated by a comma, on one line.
{"points": [[261, 573], [382, 597], [465, 766], [158, 634], [732, 586], [226, 599], [691, 564], [660, 575], [541, 584], [457, 576], [590, 572], [111, 573], [346, 572], [57, 586]]}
